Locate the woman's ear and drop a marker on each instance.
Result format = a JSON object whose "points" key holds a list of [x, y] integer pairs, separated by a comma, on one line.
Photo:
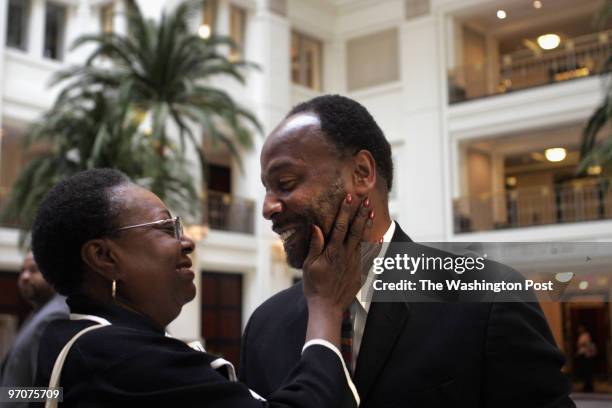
{"points": [[99, 256], [364, 172]]}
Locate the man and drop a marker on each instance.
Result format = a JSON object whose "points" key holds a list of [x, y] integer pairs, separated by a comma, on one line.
{"points": [[19, 367], [401, 354]]}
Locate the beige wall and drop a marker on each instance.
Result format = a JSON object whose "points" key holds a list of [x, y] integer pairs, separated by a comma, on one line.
{"points": [[474, 63], [480, 173], [373, 59]]}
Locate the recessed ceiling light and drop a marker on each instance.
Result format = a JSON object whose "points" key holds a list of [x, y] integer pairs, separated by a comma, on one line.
{"points": [[501, 14], [564, 277], [594, 170], [549, 41], [537, 4], [583, 285], [204, 31], [555, 154]]}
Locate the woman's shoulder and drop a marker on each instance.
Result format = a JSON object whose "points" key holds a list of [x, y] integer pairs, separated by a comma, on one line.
{"points": [[122, 356]]}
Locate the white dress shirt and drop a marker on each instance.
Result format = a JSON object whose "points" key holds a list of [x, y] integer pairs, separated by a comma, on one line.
{"points": [[361, 305]]}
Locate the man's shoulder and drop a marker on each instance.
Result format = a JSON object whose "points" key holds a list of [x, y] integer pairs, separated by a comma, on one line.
{"points": [[286, 303]]}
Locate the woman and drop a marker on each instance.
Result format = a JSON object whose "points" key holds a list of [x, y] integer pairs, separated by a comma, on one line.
{"points": [[114, 249]]}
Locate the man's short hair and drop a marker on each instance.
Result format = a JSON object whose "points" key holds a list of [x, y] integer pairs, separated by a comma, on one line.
{"points": [[351, 128]]}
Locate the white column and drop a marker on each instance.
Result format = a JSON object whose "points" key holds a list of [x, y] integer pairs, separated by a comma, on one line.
{"points": [[424, 153], [36, 28], [269, 36], [79, 23], [334, 67], [222, 24]]}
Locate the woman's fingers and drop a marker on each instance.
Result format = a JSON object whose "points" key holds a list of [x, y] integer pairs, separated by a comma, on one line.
{"points": [[359, 225], [341, 224]]}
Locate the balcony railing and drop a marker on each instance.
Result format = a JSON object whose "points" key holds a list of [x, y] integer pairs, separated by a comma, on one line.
{"points": [[223, 211], [580, 200], [227, 212], [576, 58]]}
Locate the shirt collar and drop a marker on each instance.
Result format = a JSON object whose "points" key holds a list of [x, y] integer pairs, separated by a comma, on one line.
{"points": [[386, 238]]}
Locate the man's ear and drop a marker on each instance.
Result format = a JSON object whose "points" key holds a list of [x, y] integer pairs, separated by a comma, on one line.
{"points": [[99, 256], [364, 172]]}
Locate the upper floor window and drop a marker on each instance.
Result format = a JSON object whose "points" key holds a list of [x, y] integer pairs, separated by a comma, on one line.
{"points": [[306, 61], [237, 31], [209, 18], [55, 23], [17, 24], [106, 18]]}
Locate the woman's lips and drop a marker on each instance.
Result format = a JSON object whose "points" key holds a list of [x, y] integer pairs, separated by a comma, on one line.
{"points": [[186, 273]]}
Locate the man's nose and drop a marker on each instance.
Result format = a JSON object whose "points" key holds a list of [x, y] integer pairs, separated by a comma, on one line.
{"points": [[24, 276], [271, 206]]}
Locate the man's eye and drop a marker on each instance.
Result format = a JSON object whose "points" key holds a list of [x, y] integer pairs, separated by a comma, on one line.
{"points": [[286, 185]]}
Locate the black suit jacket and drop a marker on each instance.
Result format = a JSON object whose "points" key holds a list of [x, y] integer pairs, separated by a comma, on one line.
{"points": [[492, 355]]}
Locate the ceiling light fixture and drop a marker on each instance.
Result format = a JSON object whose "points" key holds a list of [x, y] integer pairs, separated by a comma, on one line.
{"points": [[204, 31], [555, 154], [549, 41], [594, 170], [537, 4], [501, 14]]}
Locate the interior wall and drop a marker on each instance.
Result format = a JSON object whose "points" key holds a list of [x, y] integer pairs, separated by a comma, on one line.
{"points": [[474, 62], [480, 176], [372, 59]]}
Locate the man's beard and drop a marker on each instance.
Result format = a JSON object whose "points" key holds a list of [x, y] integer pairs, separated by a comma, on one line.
{"points": [[325, 206]]}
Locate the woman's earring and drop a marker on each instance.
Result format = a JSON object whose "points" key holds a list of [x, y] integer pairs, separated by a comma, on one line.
{"points": [[114, 289]]}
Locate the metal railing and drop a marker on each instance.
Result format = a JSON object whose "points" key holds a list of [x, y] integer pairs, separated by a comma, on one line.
{"points": [[576, 58], [576, 201], [228, 212], [222, 211]]}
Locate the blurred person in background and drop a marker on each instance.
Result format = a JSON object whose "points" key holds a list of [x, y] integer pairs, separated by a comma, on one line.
{"points": [[585, 354], [19, 367]]}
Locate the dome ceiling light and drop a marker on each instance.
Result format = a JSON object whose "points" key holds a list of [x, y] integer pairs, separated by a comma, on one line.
{"points": [[555, 154], [549, 41]]}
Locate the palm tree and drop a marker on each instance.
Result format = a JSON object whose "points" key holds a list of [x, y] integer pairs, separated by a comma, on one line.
{"points": [[590, 152], [116, 111]]}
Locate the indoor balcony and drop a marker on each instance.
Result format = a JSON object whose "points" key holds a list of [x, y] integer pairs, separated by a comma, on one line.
{"points": [[222, 211], [227, 212], [578, 200], [573, 58]]}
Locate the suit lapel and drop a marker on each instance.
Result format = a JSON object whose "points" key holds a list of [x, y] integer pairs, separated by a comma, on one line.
{"points": [[384, 325]]}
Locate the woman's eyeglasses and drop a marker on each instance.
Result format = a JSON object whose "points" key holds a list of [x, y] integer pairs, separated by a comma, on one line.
{"points": [[174, 221]]}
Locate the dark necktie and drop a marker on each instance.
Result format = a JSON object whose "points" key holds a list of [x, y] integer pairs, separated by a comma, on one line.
{"points": [[346, 340]]}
